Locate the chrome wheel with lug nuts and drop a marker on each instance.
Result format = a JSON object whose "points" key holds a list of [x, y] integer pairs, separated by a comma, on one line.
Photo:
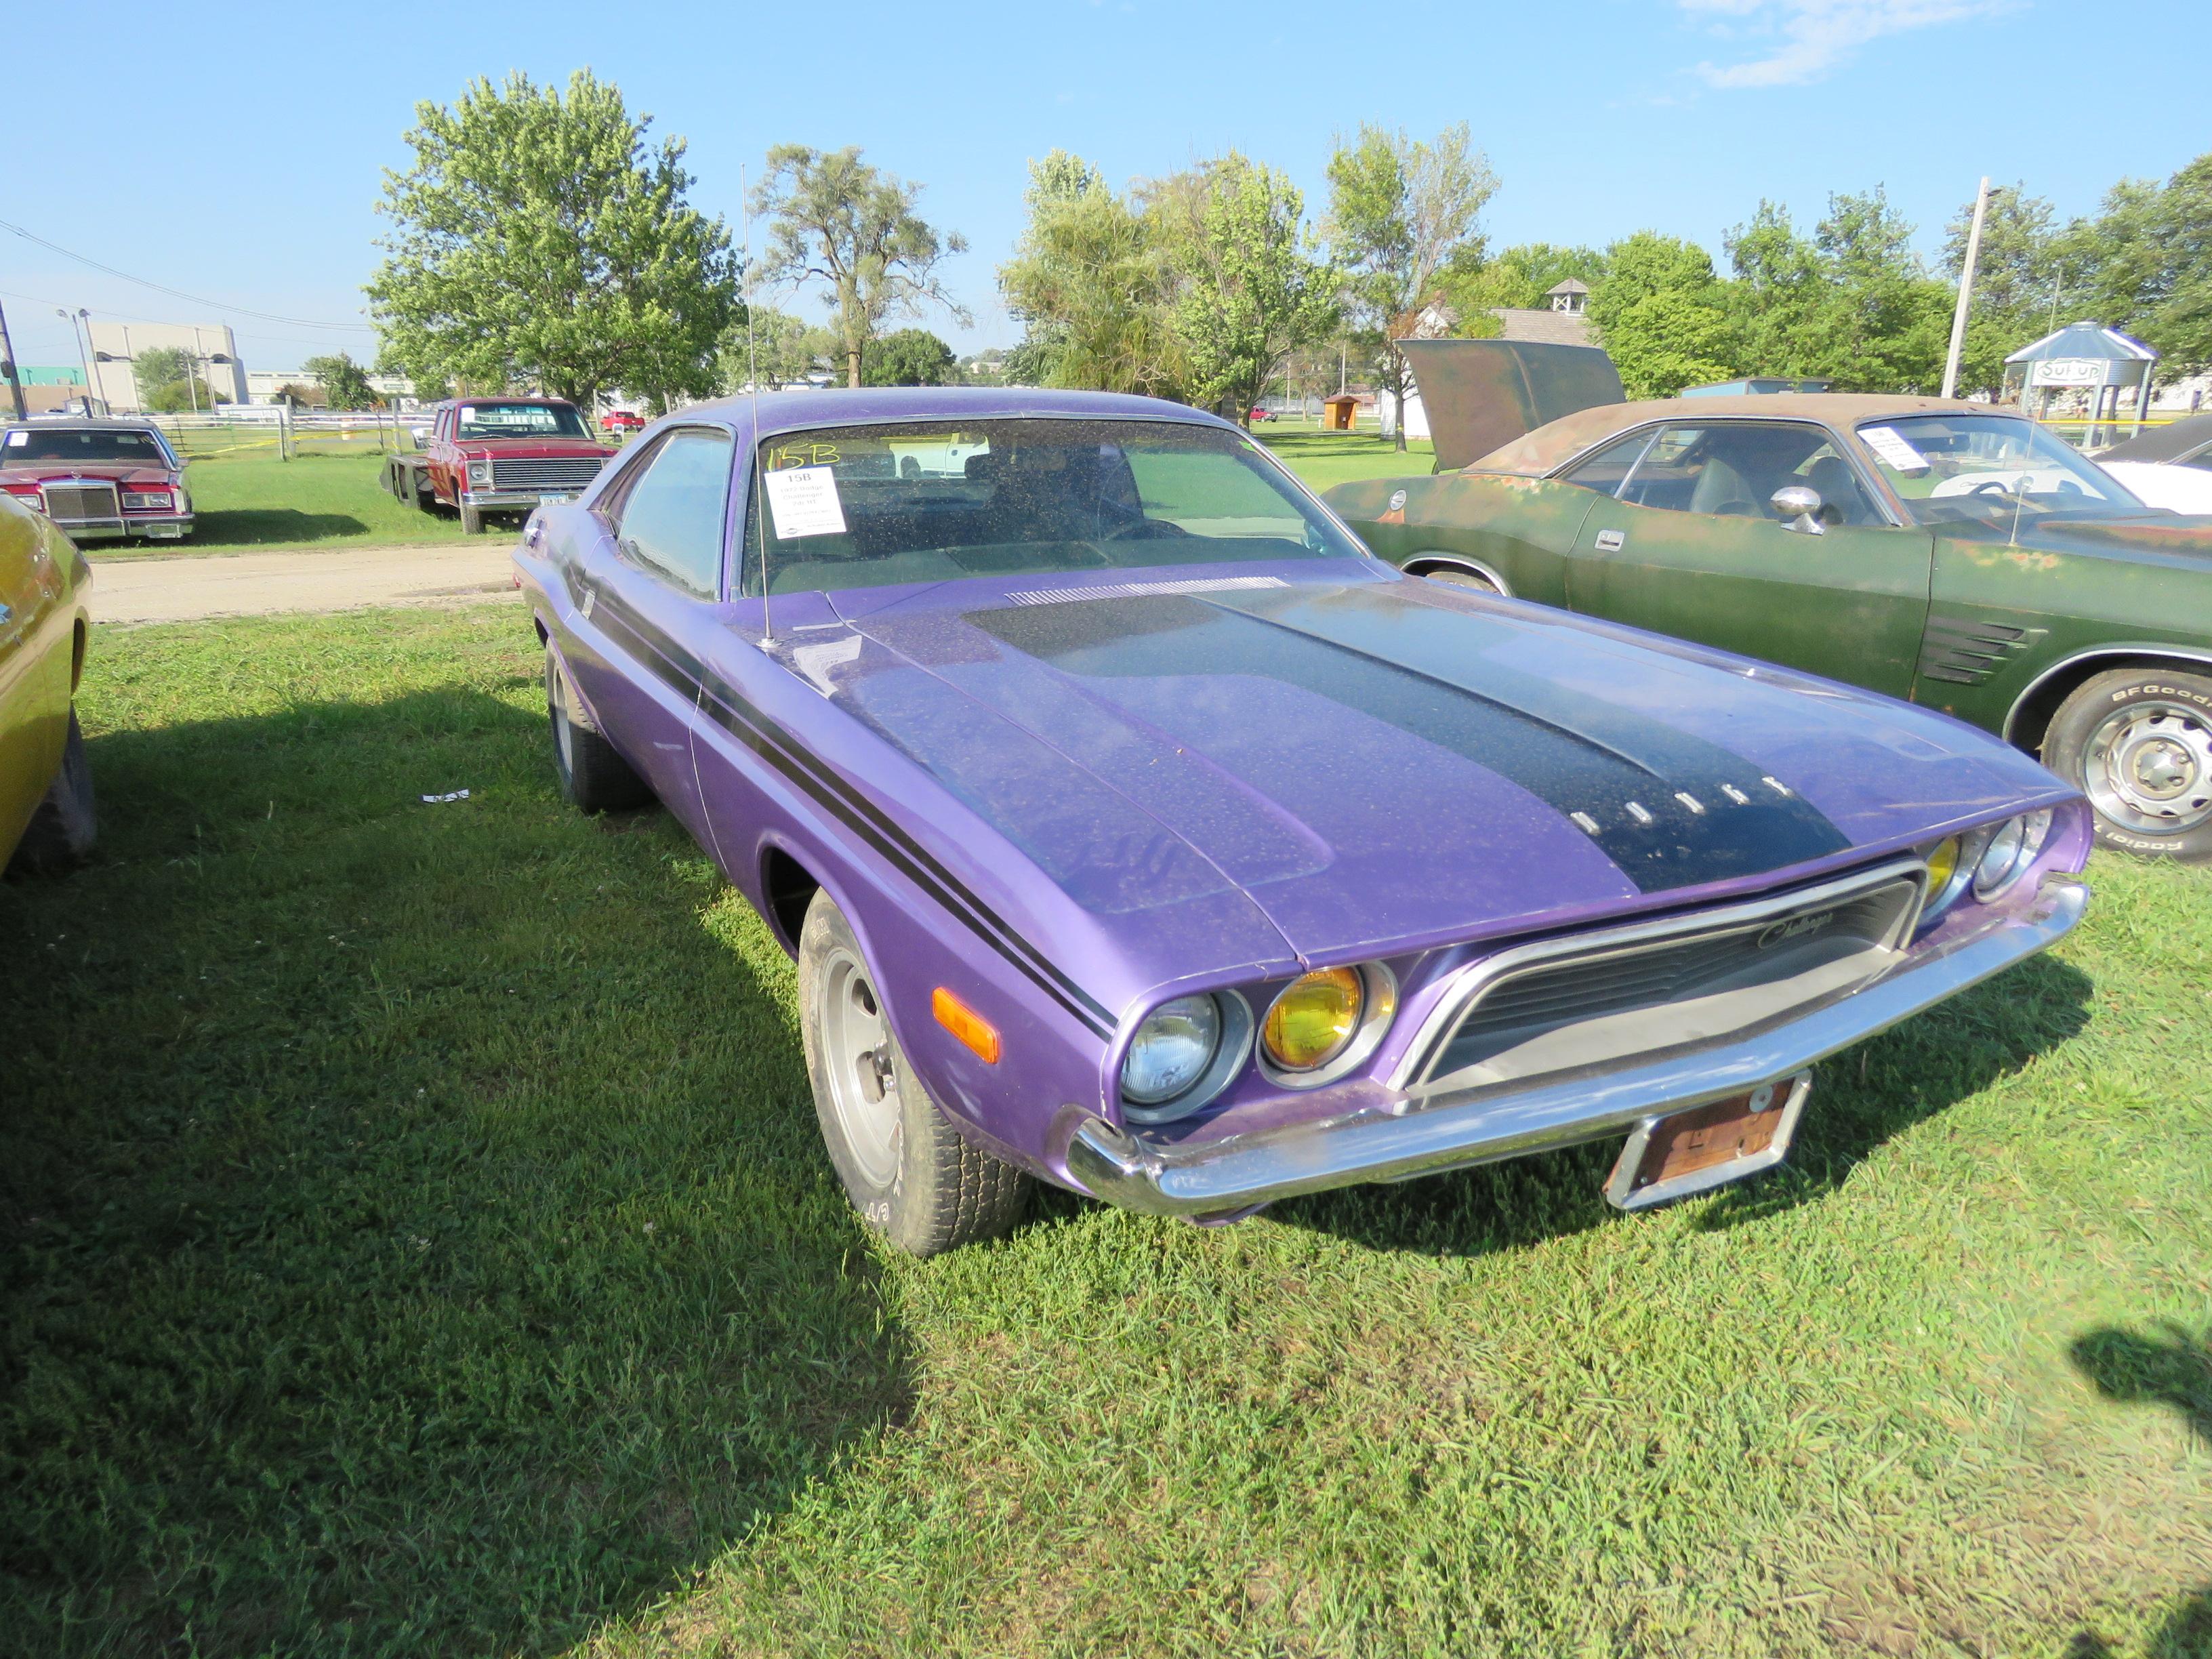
{"points": [[909, 1171], [2138, 742]]}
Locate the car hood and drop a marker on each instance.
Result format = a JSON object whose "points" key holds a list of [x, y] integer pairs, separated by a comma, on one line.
{"points": [[2188, 535], [1378, 762]]}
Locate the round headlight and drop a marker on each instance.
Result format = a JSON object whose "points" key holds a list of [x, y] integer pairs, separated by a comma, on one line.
{"points": [[1171, 1049], [1314, 1019], [2010, 851]]}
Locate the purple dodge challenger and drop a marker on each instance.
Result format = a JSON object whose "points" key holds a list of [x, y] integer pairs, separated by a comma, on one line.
{"points": [[1135, 830]]}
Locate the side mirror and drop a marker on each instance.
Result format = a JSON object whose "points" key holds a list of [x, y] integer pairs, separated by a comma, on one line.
{"points": [[1800, 508], [420, 435]]}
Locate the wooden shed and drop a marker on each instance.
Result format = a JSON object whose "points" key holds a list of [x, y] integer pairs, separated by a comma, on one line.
{"points": [[1340, 413]]}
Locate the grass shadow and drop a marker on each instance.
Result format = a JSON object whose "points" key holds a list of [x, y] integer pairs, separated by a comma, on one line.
{"points": [[1861, 1098], [2169, 1366], [273, 526], [413, 1232]]}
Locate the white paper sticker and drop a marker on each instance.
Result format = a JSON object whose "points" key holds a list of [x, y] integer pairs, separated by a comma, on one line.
{"points": [[17, 440], [803, 501], [1900, 456]]}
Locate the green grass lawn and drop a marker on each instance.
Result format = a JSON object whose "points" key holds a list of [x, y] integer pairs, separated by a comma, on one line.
{"points": [[416, 1240], [248, 501]]}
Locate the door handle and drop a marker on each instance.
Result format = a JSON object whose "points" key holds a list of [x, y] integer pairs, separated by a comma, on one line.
{"points": [[1611, 541]]}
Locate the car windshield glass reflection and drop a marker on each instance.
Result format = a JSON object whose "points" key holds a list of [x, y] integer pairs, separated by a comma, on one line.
{"points": [[866, 506], [1950, 468], [30, 443], [519, 420]]}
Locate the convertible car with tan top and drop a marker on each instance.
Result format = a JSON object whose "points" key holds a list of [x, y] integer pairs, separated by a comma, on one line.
{"points": [[1953, 554]]}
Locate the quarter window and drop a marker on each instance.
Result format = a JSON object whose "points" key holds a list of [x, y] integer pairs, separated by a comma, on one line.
{"points": [[671, 521], [1604, 471]]}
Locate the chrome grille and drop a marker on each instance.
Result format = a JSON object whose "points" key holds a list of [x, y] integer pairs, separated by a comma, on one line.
{"points": [[89, 501], [1529, 993], [552, 472]]}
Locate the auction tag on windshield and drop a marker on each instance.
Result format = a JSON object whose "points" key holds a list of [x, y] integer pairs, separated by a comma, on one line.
{"points": [[804, 499], [1899, 454], [17, 440]]}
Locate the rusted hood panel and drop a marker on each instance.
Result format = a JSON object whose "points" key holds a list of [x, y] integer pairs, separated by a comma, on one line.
{"points": [[1480, 394]]}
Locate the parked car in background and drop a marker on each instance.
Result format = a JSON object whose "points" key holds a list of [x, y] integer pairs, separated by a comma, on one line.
{"points": [[1135, 831], [97, 479], [497, 455], [46, 814], [1950, 553], [623, 420], [2169, 466]]}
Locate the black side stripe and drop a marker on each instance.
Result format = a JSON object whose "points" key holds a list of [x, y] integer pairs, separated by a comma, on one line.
{"points": [[682, 672]]}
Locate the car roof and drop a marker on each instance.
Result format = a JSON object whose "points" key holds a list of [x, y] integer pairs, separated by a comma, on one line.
{"points": [[793, 411], [1539, 454], [106, 423], [2164, 443]]}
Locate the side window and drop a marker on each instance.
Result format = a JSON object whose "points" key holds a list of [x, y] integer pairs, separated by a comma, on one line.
{"points": [[2202, 460], [1604, 471], [671, 520], [1733, 470]]}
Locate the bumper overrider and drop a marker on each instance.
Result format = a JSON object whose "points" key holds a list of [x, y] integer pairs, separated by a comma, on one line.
{"points": [[1427, 1134]]}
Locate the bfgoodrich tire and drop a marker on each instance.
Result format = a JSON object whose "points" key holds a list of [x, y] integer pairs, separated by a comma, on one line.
{"points": [[594, 778], [64, 829], [2138, 742], [906, 1170]]}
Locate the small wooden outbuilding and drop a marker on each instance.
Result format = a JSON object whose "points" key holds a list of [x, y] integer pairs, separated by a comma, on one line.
{"points": [[1340, 413]]}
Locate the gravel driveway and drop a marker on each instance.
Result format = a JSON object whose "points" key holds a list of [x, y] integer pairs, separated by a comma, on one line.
{"points": [[261, 584]]}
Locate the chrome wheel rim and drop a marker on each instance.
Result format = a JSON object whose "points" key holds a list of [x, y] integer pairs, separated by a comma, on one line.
{"points": [[2149, 767], [856, 1056]]}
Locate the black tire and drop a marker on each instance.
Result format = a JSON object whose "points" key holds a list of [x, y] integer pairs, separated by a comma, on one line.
{"points": [[66, 826], [1452, 575], [2138, 742], [594, 777], [919, 1184], [471, 520]]}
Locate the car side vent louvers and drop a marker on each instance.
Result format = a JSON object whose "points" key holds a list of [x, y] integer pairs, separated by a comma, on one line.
{"points": [[1968, 652]]}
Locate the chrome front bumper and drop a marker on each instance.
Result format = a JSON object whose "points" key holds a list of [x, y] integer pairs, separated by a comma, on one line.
{"points": [[518, 500], [1484, 1125], [160, 527]]}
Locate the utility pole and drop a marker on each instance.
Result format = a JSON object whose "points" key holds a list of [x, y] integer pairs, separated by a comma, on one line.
{"points": [[1966, 291], [8, 368]]}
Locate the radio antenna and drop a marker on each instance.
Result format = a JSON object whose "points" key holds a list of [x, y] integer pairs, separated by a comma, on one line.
{"points": [[752, 379]]}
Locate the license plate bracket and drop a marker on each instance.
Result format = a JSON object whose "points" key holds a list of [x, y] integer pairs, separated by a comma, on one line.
{"points": [[1680, 1153], [555, 498]]}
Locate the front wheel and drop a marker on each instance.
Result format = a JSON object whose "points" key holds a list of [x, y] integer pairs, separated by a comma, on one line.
{"points": [[907, 1170], [471, 520], [2138, 742]]}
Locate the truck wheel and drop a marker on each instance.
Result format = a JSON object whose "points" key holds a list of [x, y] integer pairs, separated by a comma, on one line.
{"points": [[63, 830], [908, 1172], [471, 520], [594, 778], [2138, 742]]}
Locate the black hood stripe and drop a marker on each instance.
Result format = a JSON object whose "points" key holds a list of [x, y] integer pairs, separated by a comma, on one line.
{"points": [[721, 701], [1671, 809]]}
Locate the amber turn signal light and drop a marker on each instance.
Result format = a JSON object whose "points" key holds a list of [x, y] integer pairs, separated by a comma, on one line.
{"points": [[964, 1022]]}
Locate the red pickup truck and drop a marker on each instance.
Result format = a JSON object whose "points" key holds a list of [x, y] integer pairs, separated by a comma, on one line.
{"points": [[497, 455]]}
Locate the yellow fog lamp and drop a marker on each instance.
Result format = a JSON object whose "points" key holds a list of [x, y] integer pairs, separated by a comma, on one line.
{"points": [[1325, 1022]]}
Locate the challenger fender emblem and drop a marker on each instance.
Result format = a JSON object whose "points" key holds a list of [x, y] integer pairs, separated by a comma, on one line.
{"points": [[1794, 927]]}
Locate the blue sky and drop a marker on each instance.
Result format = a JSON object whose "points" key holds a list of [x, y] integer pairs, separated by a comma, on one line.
{"points": [[235, 153]]}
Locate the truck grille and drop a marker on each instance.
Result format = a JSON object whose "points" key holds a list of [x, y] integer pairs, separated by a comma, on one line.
{"points": [[545, 473], [1610, 995], [80, 504]]}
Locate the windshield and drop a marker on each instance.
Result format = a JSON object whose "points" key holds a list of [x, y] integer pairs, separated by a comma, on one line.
{"points": [[865, 506], [33, 443], [1947, 468], [520, 421]]}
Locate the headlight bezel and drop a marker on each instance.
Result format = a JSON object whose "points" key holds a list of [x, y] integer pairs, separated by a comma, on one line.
{"points": [[2033, 835], [1232, 1045], [1378, 1010], [479, 474]]}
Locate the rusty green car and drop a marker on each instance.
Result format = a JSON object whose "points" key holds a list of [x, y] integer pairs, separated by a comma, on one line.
{"points": [[1954, 554]]}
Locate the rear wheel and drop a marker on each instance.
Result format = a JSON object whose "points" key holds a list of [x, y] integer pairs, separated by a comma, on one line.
{"points": [[594, 778], [64, 830], [2138, 742], [908, 1172]]}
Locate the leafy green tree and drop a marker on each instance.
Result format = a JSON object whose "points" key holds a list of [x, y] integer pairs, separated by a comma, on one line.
{"points": [[1779, 295], [1662, 314], [1251, 292], [1400, 212], [785, 349], [538, 237], [2145, 264], [1888, 324], [1521, 278], [1093, 280], [345, 383], [908, 357], [836, 221], [2021, 275]]}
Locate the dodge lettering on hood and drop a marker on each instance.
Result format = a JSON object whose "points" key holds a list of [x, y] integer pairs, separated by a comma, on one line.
{"points": [[1135, 830]]}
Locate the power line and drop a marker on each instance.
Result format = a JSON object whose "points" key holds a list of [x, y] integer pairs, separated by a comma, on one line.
{"points": [[178, 292]]}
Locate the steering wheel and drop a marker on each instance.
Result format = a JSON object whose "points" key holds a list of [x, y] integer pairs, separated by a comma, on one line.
{"points": [[1142, 528], [1994, 487]]}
